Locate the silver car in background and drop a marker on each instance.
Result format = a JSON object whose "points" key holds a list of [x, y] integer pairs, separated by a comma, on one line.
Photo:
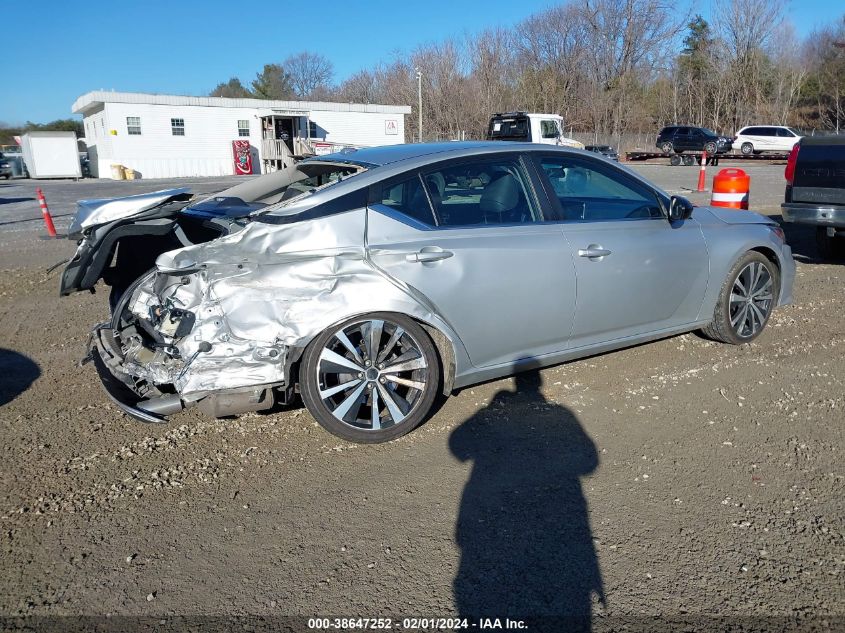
{"points": [[378, 278]]}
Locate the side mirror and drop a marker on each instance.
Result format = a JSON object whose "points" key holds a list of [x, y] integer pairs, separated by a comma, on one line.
{"points": [[679, 208]]}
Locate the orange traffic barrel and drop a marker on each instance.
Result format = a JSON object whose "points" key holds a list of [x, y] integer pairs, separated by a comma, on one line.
{"points": [[731, 188]]}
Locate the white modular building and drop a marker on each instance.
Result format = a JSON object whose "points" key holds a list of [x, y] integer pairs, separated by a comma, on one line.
{"points": [[166, 136]]}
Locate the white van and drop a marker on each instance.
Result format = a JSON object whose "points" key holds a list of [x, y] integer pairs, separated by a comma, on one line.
{"points": [[754, 139]]}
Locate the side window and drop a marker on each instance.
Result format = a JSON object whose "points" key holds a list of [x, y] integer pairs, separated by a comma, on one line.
{"points": [[767, 131], [784, 133], [482, 191], [407, 197], [133, 125], [590, 192], [548, 129]]}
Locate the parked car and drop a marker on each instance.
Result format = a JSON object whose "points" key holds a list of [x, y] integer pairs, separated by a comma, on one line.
{"points": [[815, 191], [755, 139], [370, 281], [683, 138], [605, 150], [5, 167]]}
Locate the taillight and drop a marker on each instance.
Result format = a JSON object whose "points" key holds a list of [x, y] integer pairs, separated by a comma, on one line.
{"points": [[789, 172]]}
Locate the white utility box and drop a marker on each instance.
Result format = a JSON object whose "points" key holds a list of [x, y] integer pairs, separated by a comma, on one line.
{"points": [[51, 154]]}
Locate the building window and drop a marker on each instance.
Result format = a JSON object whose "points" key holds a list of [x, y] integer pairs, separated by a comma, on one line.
{"points": [[312, 129], [177, 126], [243, 127], [133, 125]]}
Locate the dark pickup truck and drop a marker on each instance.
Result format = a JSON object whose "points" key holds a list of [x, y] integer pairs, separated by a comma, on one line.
{"points": [[815, 191]]}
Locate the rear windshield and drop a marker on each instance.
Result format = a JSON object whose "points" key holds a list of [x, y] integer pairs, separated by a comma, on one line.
{"points": [[514, 128], [308, 178]]}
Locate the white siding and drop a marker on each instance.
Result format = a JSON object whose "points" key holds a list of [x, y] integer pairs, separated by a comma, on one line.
{"points": [[204, 150], [211, 124], [365, 129]]}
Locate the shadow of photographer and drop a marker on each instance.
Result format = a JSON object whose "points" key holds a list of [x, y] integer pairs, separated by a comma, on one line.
{"points": [[523, 527]]}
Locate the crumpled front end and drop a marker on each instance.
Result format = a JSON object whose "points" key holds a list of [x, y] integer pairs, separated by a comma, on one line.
{"points": [[218, 325]]}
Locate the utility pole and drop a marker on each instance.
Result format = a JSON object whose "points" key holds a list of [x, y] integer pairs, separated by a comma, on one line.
{"points": [[419, 101]]}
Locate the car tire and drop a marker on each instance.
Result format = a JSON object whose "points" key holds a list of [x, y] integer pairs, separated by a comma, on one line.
{"points": [[829, 247], [689, 160], [667, 148], [747, 149], [736, 318], [674, 160], [343, 355], [710, 148]]}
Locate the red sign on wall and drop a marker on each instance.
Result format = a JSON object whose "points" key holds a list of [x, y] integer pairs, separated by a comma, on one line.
{"points": [[243, 158]]}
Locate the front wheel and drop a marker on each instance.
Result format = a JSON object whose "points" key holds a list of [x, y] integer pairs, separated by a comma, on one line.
{"points": [[746, 300], [710, 148], [372, 379], [747, 149]]}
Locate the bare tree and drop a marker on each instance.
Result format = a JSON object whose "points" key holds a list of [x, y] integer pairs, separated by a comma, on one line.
{"points": [[308, 72]]}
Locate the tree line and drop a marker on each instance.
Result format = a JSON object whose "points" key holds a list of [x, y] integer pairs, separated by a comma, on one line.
{"points": [[9, 132], [609, 67]]}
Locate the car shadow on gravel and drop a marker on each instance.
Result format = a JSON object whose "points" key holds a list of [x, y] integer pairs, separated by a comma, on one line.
{"points": [[523, 528], [17, 373]]}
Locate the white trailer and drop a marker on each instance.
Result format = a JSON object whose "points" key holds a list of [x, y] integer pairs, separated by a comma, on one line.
{"points": [[51, 154]]}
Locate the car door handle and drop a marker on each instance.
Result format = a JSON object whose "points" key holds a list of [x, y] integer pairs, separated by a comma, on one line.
{"points": [[428, 256], [593, 251]]}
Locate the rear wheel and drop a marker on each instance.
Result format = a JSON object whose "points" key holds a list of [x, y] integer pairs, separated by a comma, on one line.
{"points": [[746, 300], [829, 246], [747, 149], [372, 379], [666, 148]]}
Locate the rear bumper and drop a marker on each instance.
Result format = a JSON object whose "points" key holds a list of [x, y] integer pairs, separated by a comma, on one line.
{"points": [[815, 214], [104, 359], [108, 362]]}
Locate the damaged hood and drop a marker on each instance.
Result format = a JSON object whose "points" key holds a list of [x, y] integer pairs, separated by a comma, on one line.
{"points": [[104, 210]]}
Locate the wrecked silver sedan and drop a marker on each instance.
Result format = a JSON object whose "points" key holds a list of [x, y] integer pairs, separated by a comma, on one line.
{"points": [[370, 281]]}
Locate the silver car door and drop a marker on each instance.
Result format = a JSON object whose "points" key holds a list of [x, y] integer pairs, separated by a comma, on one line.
{"points": [[636, 272], [501, 278]]}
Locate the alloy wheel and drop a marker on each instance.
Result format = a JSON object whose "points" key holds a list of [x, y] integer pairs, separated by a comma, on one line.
{"points": [[751, 300], [372, 374]]}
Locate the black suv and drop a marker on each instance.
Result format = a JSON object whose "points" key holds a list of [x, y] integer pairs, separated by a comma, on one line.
{"points": [[682, 138]]}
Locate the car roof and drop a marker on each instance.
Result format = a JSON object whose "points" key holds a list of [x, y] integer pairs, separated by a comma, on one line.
{"points": [[388, 154]]}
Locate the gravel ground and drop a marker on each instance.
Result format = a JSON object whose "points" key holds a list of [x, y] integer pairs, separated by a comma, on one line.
{"points": [[681, 479]]}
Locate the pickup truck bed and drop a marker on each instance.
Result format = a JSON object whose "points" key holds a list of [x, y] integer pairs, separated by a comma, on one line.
{"points": [[815, 195]]}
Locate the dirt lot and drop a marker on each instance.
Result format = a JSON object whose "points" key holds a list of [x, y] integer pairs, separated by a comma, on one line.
{"points": [[681, 479]]}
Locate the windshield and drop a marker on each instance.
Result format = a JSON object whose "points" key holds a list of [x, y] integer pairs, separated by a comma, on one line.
{"points": [[708, 131], [315, 176], [513, 128], [283, 186]]}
